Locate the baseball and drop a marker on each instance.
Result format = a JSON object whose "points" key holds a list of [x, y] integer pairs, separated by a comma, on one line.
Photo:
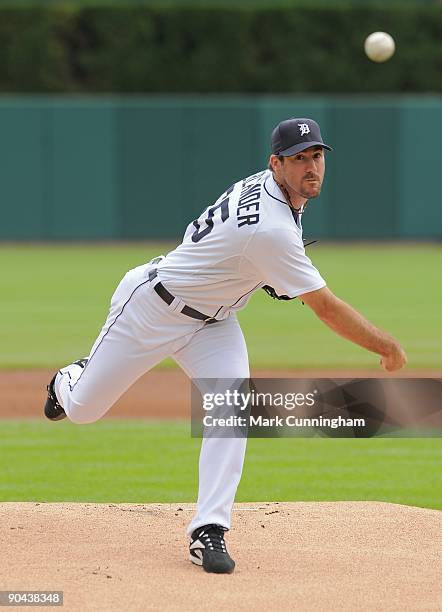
{"points": [[379, 46]]}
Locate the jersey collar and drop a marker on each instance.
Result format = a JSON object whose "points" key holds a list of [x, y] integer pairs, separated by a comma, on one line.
{"points": [[273, 190]]}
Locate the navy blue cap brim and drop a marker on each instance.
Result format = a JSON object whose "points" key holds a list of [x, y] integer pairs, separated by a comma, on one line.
{"points": [[302, 146]]}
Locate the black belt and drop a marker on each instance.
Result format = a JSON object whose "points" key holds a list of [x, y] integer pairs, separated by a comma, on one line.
{"points": [[167, 297]]}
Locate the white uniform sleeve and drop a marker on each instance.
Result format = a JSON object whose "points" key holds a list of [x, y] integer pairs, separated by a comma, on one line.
{"points": [[279, 260]]}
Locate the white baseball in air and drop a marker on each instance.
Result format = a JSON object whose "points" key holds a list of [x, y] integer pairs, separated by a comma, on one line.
{"points": [[379, 46]]}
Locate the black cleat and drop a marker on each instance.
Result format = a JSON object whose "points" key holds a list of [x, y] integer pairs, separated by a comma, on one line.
{"points": [[208, 548], [53, 410]]}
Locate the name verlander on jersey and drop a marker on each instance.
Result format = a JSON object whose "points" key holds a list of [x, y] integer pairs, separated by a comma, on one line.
{"points": [[247, 211]]}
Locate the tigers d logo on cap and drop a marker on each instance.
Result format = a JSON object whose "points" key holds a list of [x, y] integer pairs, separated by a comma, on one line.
{"points": [[294, 135], [304, 128]]}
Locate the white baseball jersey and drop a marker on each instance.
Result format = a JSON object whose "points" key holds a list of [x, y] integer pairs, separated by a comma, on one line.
{"points": [[249, 238]]}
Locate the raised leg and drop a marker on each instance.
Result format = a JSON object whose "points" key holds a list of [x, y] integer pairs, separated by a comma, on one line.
{"points": [[140, 331]]}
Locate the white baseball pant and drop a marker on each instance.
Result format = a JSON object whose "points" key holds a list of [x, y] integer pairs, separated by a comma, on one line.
{"points": [[140, 331]]}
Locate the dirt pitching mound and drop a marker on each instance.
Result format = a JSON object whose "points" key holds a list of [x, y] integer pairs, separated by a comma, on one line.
{"points": [[290, 556]]}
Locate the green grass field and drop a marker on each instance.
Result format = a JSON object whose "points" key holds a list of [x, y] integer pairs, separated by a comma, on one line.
{"points": [[55, 299], [141, 461]]}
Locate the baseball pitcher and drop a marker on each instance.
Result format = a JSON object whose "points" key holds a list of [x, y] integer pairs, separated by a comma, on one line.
{"points": [[184, 306]]}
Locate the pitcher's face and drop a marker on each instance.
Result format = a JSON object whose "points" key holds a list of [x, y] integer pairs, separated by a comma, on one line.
{"points": [[301, 174]]}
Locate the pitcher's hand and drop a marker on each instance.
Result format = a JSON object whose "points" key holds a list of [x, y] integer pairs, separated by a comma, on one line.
{"points": [[395, 359]]}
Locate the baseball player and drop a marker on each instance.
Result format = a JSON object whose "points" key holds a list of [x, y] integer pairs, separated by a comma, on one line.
{"points": [[184, 306]]}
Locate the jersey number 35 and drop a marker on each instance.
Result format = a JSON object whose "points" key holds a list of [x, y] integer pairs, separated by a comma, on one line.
{"points": [[223, 205]]}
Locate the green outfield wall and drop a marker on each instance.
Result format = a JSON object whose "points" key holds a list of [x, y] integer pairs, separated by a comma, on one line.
{"points": [[77, 168]]}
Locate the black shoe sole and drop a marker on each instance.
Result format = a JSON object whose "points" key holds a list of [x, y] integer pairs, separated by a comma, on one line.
{"points": [[52, 410], [54, 414]]}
